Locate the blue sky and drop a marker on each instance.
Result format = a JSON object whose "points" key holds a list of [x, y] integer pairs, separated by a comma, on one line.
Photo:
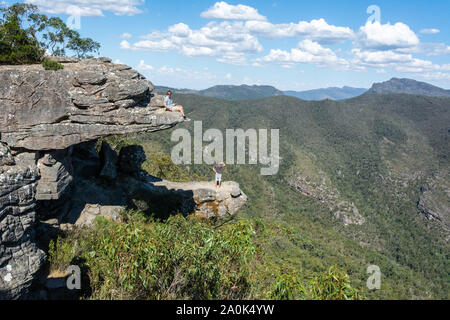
{"points": [[292, 45]]}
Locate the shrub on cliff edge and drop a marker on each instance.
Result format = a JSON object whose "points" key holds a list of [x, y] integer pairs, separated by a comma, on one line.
{"points": [[49, 64]]}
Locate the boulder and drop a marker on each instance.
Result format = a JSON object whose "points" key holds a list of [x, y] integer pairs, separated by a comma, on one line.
{"points": [[92, 211], [56, 174], [210, 201]]}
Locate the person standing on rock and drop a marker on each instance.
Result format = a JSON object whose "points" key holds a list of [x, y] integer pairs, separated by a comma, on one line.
{"points": [[218, 168], [169, 105]]}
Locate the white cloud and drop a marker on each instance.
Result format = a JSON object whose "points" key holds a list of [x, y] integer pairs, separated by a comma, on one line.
{"points": [[307, 51], [223, 10], [180, 29], [436, 49], [228, 76], [378, 36], [160, 45], [125, 44], [92, 8], [318, 30], [379, 46], [143, 66], [400, 62], [435, 75], [226, 41], [175, 76], [233, 41], [430, 31], [379, 57], [126, 35]]}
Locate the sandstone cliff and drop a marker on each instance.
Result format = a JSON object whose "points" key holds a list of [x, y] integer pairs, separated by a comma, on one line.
{"points": [[49, 122]]}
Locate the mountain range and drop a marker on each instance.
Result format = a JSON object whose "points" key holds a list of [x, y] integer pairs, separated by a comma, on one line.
{"points": [[362, 181], [229, 92], [332, 93], [409, 86], [246, 92]]}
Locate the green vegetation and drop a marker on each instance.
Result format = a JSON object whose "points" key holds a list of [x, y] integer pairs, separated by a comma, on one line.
{"points": [[161, 165], [333, 285], [26, 34], [180, 258], [288, 287], [49, 64], [375, 151], [18, 44], [157, 164]]}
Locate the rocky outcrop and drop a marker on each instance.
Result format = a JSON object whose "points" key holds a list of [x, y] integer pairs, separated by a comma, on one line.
{"points": [[134, 187], [434, 200], [49, 124], [52, 110], [43, 116], [321, 188], [202, 198]]}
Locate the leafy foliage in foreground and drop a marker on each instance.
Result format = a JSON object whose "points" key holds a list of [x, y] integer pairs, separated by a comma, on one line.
{"points": [[288, 286], [180, 258], [333, 285]]}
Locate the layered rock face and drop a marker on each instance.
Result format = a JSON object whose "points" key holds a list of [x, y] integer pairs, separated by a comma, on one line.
{"points": [[20, 258], [42, 115], [48, 110]]}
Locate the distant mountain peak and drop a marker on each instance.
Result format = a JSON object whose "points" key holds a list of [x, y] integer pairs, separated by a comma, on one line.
{"points": [[408, 86], [332, 93]]}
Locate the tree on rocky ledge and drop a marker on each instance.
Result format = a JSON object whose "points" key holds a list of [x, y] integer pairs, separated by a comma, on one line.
{"points": [[26, 35]]}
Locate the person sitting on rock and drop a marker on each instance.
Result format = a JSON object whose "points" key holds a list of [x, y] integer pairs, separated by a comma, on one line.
{"points": [[169, 105], [218, 168]]}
